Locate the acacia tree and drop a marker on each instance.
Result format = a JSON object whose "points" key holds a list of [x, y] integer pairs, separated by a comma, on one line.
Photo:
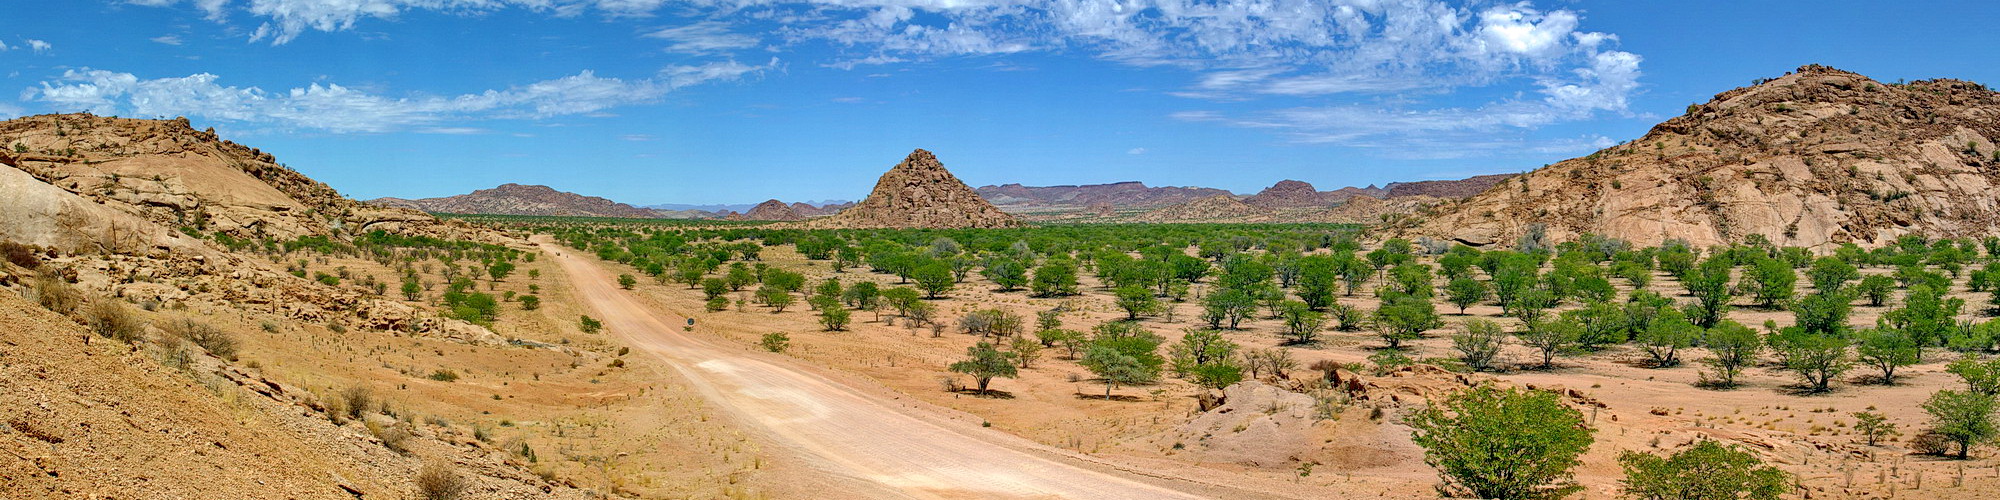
{"points": [[934, 278], [984, 362], [1964, 418], [1705, 471], [1816, 358], [1550, 338], [1668, 334], [1464, 292], [1503, 443], [1478, 342], [1733, 346], [1885, 349]]}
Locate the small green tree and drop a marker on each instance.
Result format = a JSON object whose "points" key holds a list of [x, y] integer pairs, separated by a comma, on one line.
{"points": [[1705, 471], [1199, 347], [1979, 376], [1136, 301], [1302, 324], [1732, 346], [1817, 359], [1885, 349], [1831, 274], [1550, 338], [1772, 282], [530, 302], [1503, 443], [1464, 292], [1114, 367], [626, 281], [1962, 417], [589, 324], [984, 362], [1668, 334], [1876, 288], [1873, 426], [1478, 342], [834, 318], [1054, 279], [934, 278], [1404, 317], [412, 290]]}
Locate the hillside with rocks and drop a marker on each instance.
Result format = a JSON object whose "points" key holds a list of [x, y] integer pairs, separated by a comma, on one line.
{"points": [[1288, 194], [1816, 158], [919, 193], [1213, 209], [1457, 188], [518, 199]]}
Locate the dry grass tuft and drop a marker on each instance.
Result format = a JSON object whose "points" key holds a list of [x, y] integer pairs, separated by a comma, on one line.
{"points": [[437, 481]]}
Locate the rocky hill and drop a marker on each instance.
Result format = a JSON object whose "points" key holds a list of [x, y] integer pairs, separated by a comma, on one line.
{"points": [[1218, 208], [773, 210], [1816, 158], [1288, 194], [518, 199], [919, 193], [1013, 197]]}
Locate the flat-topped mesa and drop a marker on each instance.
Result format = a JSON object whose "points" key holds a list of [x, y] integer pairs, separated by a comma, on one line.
{"points": [[920, 193]]}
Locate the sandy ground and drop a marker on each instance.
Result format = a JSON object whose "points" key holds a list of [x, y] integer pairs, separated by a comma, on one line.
{"points": [[896, 446]]}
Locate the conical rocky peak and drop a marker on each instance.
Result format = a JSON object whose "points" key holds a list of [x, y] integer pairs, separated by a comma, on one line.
{"points": [[920, 193]]}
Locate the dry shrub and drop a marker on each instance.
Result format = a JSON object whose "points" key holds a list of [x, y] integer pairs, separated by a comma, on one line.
{"points": [[394, 436], [114, 320], [437, 481], [1930, 442], [356, 401], [19, 254], [55, 295], [217, 342]]}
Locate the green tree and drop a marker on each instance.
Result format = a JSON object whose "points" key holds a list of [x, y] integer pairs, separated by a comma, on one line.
{"points": [[1464, 292], [626, 281], [530, 302], [834, 318], [1478, 342], [1550, 338], [1709, 283], [984, 362], [714, 287], [1503, 443], [1054, 279], [589, 324], [412, 290], [1114, 367], [1732, 346], [1816, 358], [1302, 324], [1964, 418], [934, 278], [775, 341], [1668, 334], [1232, 306], [1979, 376], [1705, 471], [776, 297], [1873, 426], [1136, 301], [903, 299], [1831, 274], [1007, 273], [1404, 317], [499, 270], [1772, 282], [1885, 349], [1876, 288], [1822, 313]]}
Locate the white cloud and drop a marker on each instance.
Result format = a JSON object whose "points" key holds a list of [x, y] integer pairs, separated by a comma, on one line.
{"points": [[336, 108], [704, 37], [39, 46], [1136, 151], [167, 39]]}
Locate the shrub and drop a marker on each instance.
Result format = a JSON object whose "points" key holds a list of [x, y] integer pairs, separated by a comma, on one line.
{"points": [[114, 320], [1705, 471], [444, 375], [1478, 342], [775, 341], [214, 340], [356, 401], [589, 324], [55, 295], [437, 481], [1503, 443], [20, 255], [393, 435]]}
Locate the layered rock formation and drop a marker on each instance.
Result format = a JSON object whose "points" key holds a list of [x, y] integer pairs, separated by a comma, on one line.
{"points": [[919, 193], [1816, 158]]}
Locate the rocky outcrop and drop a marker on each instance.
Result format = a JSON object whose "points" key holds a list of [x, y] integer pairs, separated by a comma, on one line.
{"points": [[1287, 194], [1443, 189], [1816, 158], [773, 210], [1218, 209], [519, 199], [919, 193]]}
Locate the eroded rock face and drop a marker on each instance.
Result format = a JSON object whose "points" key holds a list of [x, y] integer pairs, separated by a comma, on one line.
{"points": [[919, 193], [1817, 158]]}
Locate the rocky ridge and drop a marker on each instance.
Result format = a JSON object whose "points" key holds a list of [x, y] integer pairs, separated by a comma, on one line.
{"points": [[518, 199], [1817, 158], [919, 193]]}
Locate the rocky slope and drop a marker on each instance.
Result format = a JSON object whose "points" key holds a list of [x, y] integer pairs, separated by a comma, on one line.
{"points": [[1816, 158], [1218, 208], [517, 199], [1459, 188], [1014, 197], [919, 193]]}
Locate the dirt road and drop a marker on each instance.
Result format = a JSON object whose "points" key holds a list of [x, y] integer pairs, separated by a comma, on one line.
{"points": [[853, 432]]}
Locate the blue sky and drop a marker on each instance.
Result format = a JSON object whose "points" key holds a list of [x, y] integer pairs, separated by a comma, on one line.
{"points": [[728, 101]]}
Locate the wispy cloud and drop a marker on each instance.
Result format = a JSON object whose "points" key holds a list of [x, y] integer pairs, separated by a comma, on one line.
{"points": [[335, 108], [1135, 151], [706, 37], [167, 39]]}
